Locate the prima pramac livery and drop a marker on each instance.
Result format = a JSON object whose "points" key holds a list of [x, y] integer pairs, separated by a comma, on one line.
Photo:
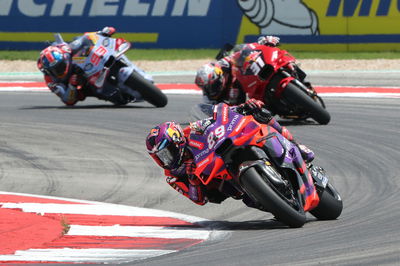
{"points": [[256, 161]]}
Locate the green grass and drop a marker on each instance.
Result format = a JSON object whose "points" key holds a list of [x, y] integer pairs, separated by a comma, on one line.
{"points": [[346, 55], [180, 54]]}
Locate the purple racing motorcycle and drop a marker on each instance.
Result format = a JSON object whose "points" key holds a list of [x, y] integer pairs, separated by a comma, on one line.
{"points": [[258, 163]]}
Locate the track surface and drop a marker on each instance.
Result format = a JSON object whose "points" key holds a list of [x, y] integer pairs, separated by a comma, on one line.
{"points": [[96, 152]]}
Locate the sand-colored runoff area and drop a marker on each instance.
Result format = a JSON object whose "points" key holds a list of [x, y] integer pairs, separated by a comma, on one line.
{"points": [[193, 65]]}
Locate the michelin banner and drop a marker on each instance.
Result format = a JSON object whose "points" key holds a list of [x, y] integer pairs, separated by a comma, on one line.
{"points": [[314, 25]]}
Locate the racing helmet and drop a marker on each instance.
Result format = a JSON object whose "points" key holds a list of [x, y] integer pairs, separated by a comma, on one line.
{"points": [[210, 78], [54, 61], [166, 144]]}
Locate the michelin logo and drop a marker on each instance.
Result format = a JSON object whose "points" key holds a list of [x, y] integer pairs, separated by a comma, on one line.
{"points": [[281, 17], [94, 8]]}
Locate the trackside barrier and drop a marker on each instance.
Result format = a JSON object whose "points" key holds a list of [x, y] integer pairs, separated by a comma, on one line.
{"points": [[339, 25]]}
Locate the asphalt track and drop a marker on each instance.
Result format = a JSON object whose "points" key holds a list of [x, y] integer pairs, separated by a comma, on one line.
{"points": [[96, 152]]}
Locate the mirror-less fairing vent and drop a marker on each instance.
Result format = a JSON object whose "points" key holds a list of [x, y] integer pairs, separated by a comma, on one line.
{"points": [[266, 72], [224, 147], [109, 62]]}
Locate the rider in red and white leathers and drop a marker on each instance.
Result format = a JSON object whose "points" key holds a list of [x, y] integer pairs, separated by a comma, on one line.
{"points": [[167, 145]]}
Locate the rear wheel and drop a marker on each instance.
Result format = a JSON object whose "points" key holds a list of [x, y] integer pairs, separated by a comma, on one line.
{"points": [[298, 97], [330, 204], [254, 184], [148, 90]]}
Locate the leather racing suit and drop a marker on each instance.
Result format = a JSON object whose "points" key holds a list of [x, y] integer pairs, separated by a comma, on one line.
{"points": [[183, 180]]}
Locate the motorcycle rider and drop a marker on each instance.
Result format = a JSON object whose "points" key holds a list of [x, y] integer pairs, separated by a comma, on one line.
{"points": [[167, 145], [216, 79], [62, 77], [67, 80]]}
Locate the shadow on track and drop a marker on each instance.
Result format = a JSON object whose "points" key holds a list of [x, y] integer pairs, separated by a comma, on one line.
{"points": [[286, 122], [102, 106], [268, 224], [246, 225]]}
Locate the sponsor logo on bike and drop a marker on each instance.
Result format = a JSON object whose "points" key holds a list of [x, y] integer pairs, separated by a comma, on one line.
{"points": [[196, 144], [239, 127], [201, 154], [234, 119], [225, 114], [106, 42], [203, 162], [88, 67]]}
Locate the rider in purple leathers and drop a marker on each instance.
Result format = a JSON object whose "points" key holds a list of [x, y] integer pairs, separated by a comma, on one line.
{"points": [[167, 145]]}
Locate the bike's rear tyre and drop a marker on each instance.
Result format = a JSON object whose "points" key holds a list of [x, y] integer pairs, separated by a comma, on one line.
{"points": [[148, 90], [298, 97], [254, 184], [330, 204]]}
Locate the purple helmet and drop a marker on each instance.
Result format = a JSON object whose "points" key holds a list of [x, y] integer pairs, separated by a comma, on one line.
{"points": [[165, 144]]}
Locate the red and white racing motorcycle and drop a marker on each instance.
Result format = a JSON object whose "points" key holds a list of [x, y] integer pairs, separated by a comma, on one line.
{"points": [[109, 73]]}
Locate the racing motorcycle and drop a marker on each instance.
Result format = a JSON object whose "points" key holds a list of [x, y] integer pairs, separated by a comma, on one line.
{"points": [[109, 73], [257, 162], [272, 75]]}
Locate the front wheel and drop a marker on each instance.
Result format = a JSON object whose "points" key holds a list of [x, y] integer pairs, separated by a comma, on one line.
{"points": [[298, 97], [330, 204], [148, 90], [254, 184]]}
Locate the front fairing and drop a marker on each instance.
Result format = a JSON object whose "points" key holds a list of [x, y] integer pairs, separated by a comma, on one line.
{"points": [[281, 150], [283, 154], [204, 146], [255, 65], [91, 52]]}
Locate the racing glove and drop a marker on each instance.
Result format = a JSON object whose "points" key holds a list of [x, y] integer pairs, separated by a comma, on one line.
{"points": [[251, 106], [75, 80], [269, 40]]}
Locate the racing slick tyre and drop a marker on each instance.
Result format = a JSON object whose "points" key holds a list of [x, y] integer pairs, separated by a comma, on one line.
{"points": [[330, 204], [148, 90], [255, 185], [296, 96]]}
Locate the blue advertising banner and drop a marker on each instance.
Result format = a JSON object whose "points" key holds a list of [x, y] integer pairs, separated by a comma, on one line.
{"points": [[27, 24], [340, 25]]}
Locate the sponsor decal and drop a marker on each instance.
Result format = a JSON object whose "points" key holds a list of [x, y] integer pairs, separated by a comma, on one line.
{"points": [[88, 67], [106, 42], [171, 179], [154, 132], [204, 152], [196, 144], [225, 114], [78, 59], [240, 125], [203, 162], [174, 133], [234, 119]]}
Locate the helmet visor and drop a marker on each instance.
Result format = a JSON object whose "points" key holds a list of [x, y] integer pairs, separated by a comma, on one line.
{"points": [[59, 69], [214, 90], [167, 153]]}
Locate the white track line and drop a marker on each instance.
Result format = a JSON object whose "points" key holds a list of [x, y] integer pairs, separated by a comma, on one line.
{"points": [[95, 209], [84, 255], [139, 231]]}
